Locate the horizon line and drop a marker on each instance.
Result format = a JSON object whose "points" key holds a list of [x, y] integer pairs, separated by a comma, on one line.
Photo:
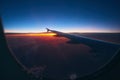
{"points": [[49, 32]]}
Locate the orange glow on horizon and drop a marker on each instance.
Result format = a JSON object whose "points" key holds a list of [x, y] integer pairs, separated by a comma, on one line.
{"points": [[33, 34], [42, 34]]}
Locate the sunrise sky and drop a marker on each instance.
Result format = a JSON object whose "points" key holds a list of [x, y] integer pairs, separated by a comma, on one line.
{"points": [[24, 16]]}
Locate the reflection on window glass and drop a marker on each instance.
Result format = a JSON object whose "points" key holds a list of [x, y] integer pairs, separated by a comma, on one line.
{"points": [[75, 43]]}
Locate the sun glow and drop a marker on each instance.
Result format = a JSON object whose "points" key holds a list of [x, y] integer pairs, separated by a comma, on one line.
{"points": [[42, 34], [33, 34]]}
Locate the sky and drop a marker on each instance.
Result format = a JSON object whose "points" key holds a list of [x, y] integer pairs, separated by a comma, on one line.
{"points": [[62, 15]]}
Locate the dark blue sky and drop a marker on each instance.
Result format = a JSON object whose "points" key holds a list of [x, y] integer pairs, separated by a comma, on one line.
{"points": [[62, 15]]}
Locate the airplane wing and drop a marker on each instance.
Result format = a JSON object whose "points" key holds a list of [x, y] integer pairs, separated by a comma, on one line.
{"points": [[93, 43]]}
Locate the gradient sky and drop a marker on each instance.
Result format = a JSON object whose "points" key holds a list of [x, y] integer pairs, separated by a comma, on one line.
{"points": [[62, 15]]}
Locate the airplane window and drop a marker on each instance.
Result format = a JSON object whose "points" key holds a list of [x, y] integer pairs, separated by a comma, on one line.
{"points": [[55, 41]]}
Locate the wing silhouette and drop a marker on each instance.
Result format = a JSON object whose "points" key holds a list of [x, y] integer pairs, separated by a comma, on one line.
{"points": [[95, 44]]}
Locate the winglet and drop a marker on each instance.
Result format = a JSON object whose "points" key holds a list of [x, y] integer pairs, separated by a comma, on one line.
{"points": [[48, 29]]}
